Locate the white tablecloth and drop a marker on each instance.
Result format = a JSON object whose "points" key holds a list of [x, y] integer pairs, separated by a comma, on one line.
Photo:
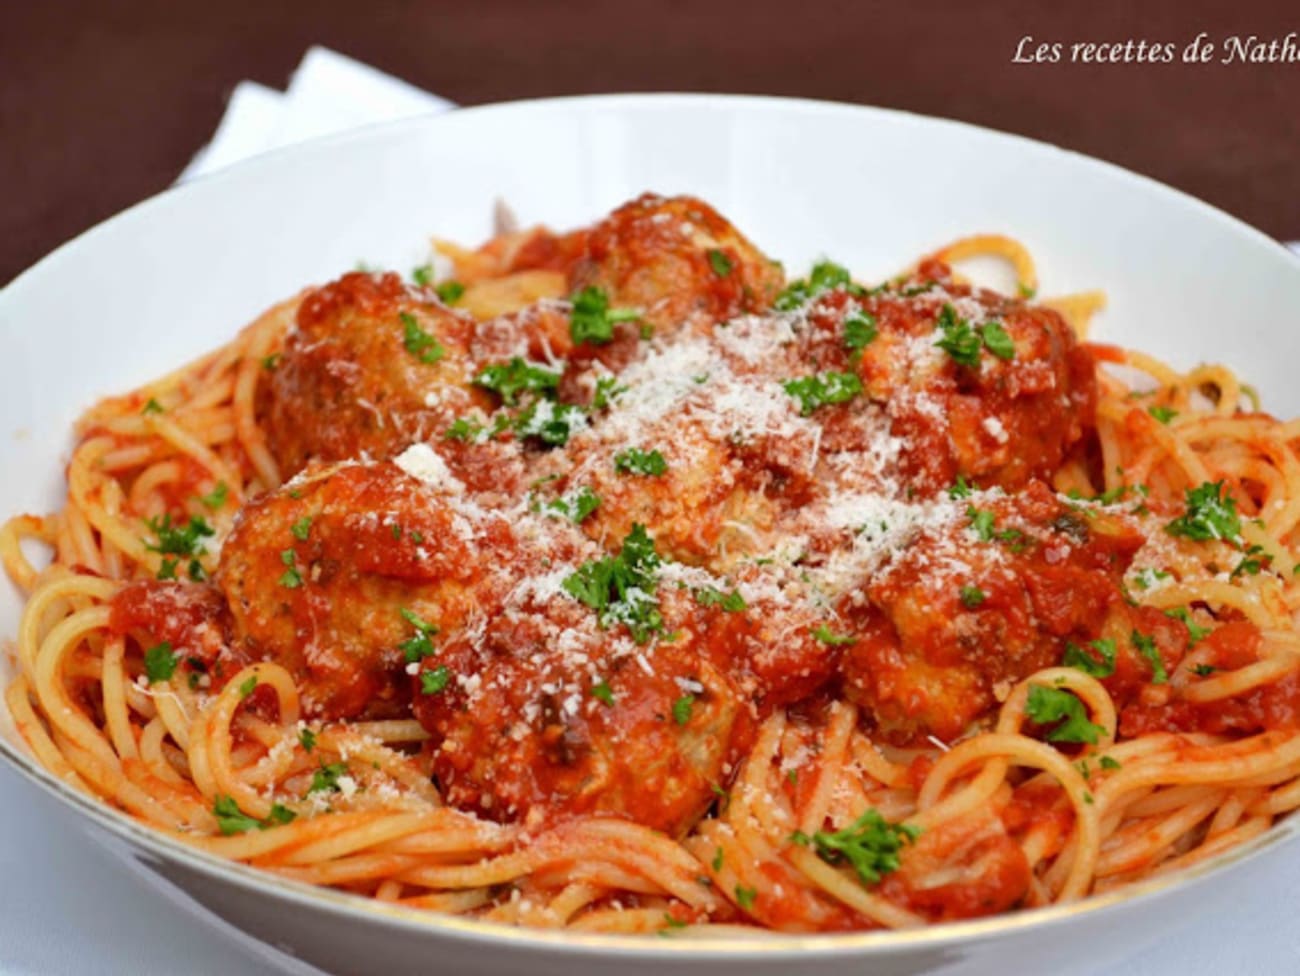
{"points": [[67, 907]]}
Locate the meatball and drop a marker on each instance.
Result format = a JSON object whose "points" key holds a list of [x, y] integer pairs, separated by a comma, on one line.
{"points": [[372, 366], [993, 589], [678, 261], [974, 384], [331, 574]]}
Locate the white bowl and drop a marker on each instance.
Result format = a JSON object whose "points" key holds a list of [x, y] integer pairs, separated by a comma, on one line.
{"points": [[151, 288]]}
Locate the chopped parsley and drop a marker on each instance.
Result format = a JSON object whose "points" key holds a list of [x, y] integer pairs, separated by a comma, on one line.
{"points": [[961, 488], [981, 523], [822, 388], [326, 778], [959, 340], [160, 662], [825, 276], [301, 529], [153, 406], [682, 709], [463, 429], [248, 686], [216, 498], [1106, 762], [449, 291], [419, 647], [962, 342], [435, 681], [166, 569], [1148, 578], [607, 391], [1195, 632], [1252, 561], [1100, 666], [1204, 670], [592, 319], [1146, 646], [745, 897], [972, 597], [269, 363], [997, 341], [576, 505], [307, 738], [1211, 514], [717, 859], [419, 343], [871, 845], [709, 596], [423, 275], [1058, 705], [622, 589], [179, 539], [1163, 414], [824, 634], [603, 693], [549, 422], [230, 819], [634, 460], [859, 330], [510, 379], [291, 578], [720, 263]]}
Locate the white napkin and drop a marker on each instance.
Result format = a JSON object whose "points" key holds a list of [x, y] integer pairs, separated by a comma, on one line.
{"points": [[328, 93]]}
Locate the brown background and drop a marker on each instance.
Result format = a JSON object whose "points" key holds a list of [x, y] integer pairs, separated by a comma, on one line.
{"points": [[102, 102]]}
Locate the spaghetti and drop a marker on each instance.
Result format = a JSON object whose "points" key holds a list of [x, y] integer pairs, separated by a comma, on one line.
{"points": [[867, 722]]}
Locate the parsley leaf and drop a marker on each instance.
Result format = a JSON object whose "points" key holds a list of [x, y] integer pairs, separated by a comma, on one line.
{"points": [[432, 682], [230, 820], [1163, 414], [997, 341], [216, 498], [859, 330], [449, 291], [708, 596], [824, 634], [291, 578], [419, 343], [160, 662], [301, 529], [1251, 562], [972, 597], [423, 275], [823, 388], [637, 461], [981, 523], [745, 897], [622, 589], [1204, 670], [607, 391], [682, 709], [720, 263], [959, 340], [248, 685], [603, 693], [1047, 705], [153, 406], [326, 778], [825, 276], [1211, 514], [1195, 632], [1107, 762], [549, 422], [961, 488], [510, 379], [592, 319], [1146, 646], [180, 539], [871, 845], [1102, 666], [576, 506], [308, 739], [420, 646]]}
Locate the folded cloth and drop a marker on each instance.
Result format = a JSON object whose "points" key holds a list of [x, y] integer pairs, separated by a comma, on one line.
{"points": [[328, 93]]}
